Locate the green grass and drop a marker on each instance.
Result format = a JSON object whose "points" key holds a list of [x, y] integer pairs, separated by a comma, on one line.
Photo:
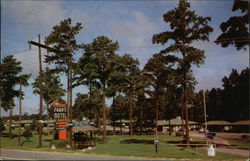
{"points": [[124, 145], [240, 144], [32, 143], [120, 146]]}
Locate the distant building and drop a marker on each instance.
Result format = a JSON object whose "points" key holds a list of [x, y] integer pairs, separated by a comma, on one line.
{"points": [[176, 124], [241, 126], [219, 126]]}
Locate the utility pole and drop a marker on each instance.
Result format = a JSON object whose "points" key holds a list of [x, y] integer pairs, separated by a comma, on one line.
{"points": [[205, 115], [69, 84], [40, 85], [41, 92]]}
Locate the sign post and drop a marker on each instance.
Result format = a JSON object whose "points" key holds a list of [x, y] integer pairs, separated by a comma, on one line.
{"points": [[60, 115]]}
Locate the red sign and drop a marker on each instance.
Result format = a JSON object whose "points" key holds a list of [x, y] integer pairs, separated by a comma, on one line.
{"points": [[60, 114]]}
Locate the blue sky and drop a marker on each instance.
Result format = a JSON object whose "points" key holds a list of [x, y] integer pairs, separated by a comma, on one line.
{"points": [[131, 23]]}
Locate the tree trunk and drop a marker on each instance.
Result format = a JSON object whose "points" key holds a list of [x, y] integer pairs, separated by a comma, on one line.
{"points": [[130, 117], [121, 122], [104, 114], [90, 101], [156, 118], [20, 115], [170, 128], [114, 117], [182, 115], [186, 119], [70, 104], [10, 120], [48, 119], [99, 117], [141, 121]]}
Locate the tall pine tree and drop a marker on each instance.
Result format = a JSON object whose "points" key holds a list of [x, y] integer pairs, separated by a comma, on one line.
{"points": [[185, 28]]}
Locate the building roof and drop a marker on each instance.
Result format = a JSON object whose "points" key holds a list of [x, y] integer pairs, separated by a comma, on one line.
{"points": [[211, 123], [84, 128], [176, 121], [242, 122]]}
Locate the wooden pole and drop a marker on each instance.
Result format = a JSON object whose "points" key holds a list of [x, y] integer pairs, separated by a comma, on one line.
{"points": [[41, 93]]}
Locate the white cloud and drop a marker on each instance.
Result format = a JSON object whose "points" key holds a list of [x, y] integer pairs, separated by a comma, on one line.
{"points": [[218, 65], [30, 61], [34, 16], [134, 32]]}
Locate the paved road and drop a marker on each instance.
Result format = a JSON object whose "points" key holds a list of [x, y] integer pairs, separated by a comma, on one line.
{"points": [[34, 155], [244, 153], [220, 140]]}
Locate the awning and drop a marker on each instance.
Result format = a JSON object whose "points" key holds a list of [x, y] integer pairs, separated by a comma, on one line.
{"points": [[217, 123], [242, 122]]}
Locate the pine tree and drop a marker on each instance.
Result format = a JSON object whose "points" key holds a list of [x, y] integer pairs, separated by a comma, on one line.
{"points": [[235, 31], [105, 58], [186, 27], [62, 39], [10, 77]]}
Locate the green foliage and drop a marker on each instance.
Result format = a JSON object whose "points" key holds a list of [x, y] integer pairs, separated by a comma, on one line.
{"points": [[102, 53], [162, 79], [235, 31], [52, 86], [34, 125], [231, 103], [62, 38], [10, 77], [27, 133], [235, 96], [118, 108], [10, 68], [83, 107], [186, 28]]}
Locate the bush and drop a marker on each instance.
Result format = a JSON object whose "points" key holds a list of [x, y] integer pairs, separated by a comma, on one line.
{"points": [[59, 143], [27, 134], [34, 125], [56, 135]]}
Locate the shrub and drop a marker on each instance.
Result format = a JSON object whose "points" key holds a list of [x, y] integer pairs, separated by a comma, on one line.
{"points": [[59, 143], [27, 134]]}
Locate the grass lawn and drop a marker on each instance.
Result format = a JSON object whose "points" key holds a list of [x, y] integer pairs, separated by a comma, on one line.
{"points": [[240, 144], [124, 145], [142, 146]]}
